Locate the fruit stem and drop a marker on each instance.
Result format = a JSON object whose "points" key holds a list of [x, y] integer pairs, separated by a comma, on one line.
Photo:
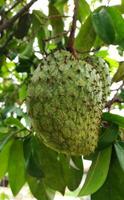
{"points": [[70, 46]]}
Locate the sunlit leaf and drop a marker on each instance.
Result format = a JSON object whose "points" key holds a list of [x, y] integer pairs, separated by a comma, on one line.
{"points": [[83, 10], [119, 75]]}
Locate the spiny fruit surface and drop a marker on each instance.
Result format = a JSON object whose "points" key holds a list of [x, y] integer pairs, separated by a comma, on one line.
{"points": [[65, 101]]}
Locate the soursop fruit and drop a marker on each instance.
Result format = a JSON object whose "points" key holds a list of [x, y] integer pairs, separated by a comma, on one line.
{"points": [[66, 97]]}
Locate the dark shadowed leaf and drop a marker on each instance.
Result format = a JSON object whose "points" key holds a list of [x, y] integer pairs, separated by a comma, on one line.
{"points": [[97, 173], [23, 26], [113, 188], [33, 168], [72, 171], [86, 33], [58, 171], [48, 161], [16, 167], [39, 189]]}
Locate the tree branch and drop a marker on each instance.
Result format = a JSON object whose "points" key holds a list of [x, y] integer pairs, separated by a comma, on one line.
{"points": [[115, 99], [8, 23], [73, 29], [13, 6]]}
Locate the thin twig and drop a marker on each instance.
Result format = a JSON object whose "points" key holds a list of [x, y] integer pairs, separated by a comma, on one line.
{"points": [[56, 36], [13, 6], [115, 99], [8, 23], [58, 16], [73, 29]]}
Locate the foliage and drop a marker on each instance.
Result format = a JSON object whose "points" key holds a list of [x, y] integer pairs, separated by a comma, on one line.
{"points": [[25, 38]]}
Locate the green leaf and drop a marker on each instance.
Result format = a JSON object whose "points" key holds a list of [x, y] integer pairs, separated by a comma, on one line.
{"points": [[40, 22], [113, 64], [83, 10], [32, 166], [39, 189], [3, 129], [118, 23], [119, 148], [4, 157], [97, 173], [117, 119], [16, 167], [57, 23], [113, 188], [57, 169], [41, 36], [120, 8], [86, 36], [72, 171], [33, 169], [60, 5], [51, 167], [2, 2], [103, 25], [23, 26], [41, 17], [4, 196], [14, 121], [108, 136], [27, 51], [119, 75], [23, 92], [5, 139]]}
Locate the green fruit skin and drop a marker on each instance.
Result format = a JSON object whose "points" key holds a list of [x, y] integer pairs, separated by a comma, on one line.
{"points": [[66, 97]]}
